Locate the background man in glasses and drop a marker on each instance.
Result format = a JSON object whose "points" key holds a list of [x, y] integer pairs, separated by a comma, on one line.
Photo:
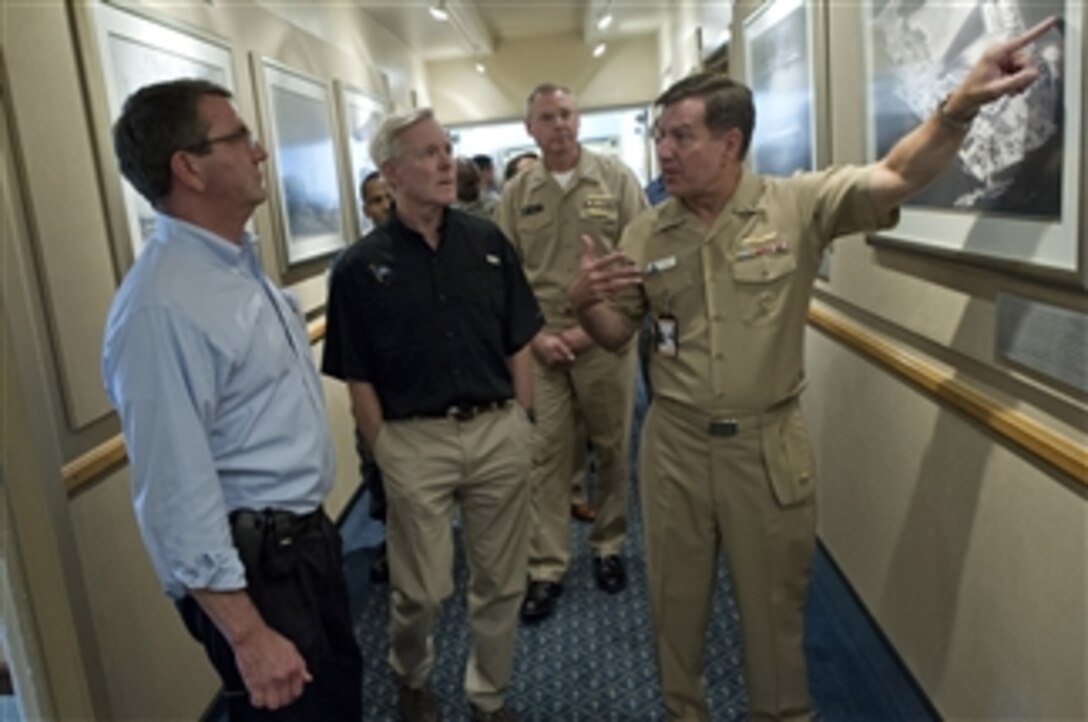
{"points": [[208, 365]]}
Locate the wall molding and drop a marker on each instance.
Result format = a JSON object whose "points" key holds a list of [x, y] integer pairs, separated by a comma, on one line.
{"points": [[86, 470], [1060, 452]]}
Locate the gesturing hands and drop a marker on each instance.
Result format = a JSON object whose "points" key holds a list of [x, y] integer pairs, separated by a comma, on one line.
{"points": [[1004, 69], [601, 277]]}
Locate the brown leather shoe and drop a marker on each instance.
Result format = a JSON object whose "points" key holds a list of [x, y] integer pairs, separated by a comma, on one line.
{"points": [[583, 512]]}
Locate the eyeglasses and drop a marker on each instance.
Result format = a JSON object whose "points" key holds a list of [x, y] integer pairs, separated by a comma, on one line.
{"points": [[242, 134]]}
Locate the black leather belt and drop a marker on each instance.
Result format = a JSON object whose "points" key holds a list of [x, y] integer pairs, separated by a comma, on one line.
{"points": [[723, 427], [468, 412], [724, 423], [273, 518]]}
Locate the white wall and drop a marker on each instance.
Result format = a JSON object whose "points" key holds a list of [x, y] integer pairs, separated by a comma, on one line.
{"points": [[969, 553]]}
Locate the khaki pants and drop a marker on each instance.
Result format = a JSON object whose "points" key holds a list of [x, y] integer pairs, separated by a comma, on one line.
{"points": [[601, 385], [579, 492], [750, 494], [429, 464]]}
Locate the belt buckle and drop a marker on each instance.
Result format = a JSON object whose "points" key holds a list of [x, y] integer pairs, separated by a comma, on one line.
{"points": [[723, 427], [461, 413]]}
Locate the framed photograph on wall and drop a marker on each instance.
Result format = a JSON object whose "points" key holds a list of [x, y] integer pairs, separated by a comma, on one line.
{"points": [[360, 115], [1014, 194], [135, 51], [304, 163], [778, 61], [782, 60]]}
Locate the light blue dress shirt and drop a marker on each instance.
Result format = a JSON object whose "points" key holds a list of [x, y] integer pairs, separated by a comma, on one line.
{"points": [[209, 367]]}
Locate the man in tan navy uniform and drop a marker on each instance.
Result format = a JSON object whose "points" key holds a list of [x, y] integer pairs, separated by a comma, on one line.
{"points": [[545, 211], [725, 268]]}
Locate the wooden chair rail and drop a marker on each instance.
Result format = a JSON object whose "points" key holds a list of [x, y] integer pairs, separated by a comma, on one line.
{"points": [[87, 469], [1060, 452], [1053, 448]]}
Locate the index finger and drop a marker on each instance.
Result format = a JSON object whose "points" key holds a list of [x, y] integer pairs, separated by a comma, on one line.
{"points": [[1030, 35], [589, 248], [613, 258]]}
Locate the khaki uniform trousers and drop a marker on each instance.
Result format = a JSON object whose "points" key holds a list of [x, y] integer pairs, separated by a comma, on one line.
{"points": [[700, 492], [429, 464], [579, 483], [601, 384]]}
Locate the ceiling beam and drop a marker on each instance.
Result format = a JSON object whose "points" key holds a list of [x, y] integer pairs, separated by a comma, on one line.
{"points": [[594, 10], [470, 25]]}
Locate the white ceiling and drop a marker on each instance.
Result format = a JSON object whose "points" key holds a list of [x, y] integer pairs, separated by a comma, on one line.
{"points": [[478, 26]]}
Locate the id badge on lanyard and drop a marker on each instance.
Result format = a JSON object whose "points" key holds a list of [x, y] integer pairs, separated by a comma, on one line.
{"points": [[666, 333]]}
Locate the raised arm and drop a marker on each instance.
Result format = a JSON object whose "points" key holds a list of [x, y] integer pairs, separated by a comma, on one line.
{"points": [[923, 154]]}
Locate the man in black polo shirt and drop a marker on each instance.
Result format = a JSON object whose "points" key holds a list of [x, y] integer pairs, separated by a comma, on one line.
{"points": [[429, 320]]}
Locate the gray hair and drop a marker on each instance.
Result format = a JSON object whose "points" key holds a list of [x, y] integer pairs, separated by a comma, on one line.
{"points": [[545, 89], [385, 145]]}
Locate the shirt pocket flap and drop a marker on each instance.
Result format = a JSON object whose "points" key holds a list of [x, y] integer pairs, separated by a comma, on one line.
{"points": [[533, 223]]}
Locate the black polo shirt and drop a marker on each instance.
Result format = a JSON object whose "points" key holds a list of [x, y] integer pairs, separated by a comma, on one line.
{"points": [[429, 328]]}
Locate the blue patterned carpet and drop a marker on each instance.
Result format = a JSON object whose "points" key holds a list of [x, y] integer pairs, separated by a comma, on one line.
{"points": [[593, 660]]}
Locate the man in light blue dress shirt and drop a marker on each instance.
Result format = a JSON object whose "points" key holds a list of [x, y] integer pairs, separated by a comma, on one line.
{"points": [[209, 367]]}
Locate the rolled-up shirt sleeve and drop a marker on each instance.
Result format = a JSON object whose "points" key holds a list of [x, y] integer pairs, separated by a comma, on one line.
{"points": [[161, 375]]}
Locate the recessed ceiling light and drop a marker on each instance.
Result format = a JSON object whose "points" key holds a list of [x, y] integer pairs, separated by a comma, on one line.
{"points": [[481, 69], [604, 21], [599, 50], [438, 12]]}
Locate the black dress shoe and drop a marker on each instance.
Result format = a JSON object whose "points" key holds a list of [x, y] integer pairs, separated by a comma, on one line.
{"points": [[379, 566], [502, 714], [540, 600], [610, 575]]}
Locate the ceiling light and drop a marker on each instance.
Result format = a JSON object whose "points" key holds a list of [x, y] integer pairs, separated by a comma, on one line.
{"points": [[438, 12], [604, 21], [599, 50], [481, 69]]}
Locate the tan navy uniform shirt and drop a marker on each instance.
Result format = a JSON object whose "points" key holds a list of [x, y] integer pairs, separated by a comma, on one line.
{"points": [[545, 223], [738, 292]]}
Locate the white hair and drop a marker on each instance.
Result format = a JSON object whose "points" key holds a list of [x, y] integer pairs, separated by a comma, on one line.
{"points": [[385, 145]]}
